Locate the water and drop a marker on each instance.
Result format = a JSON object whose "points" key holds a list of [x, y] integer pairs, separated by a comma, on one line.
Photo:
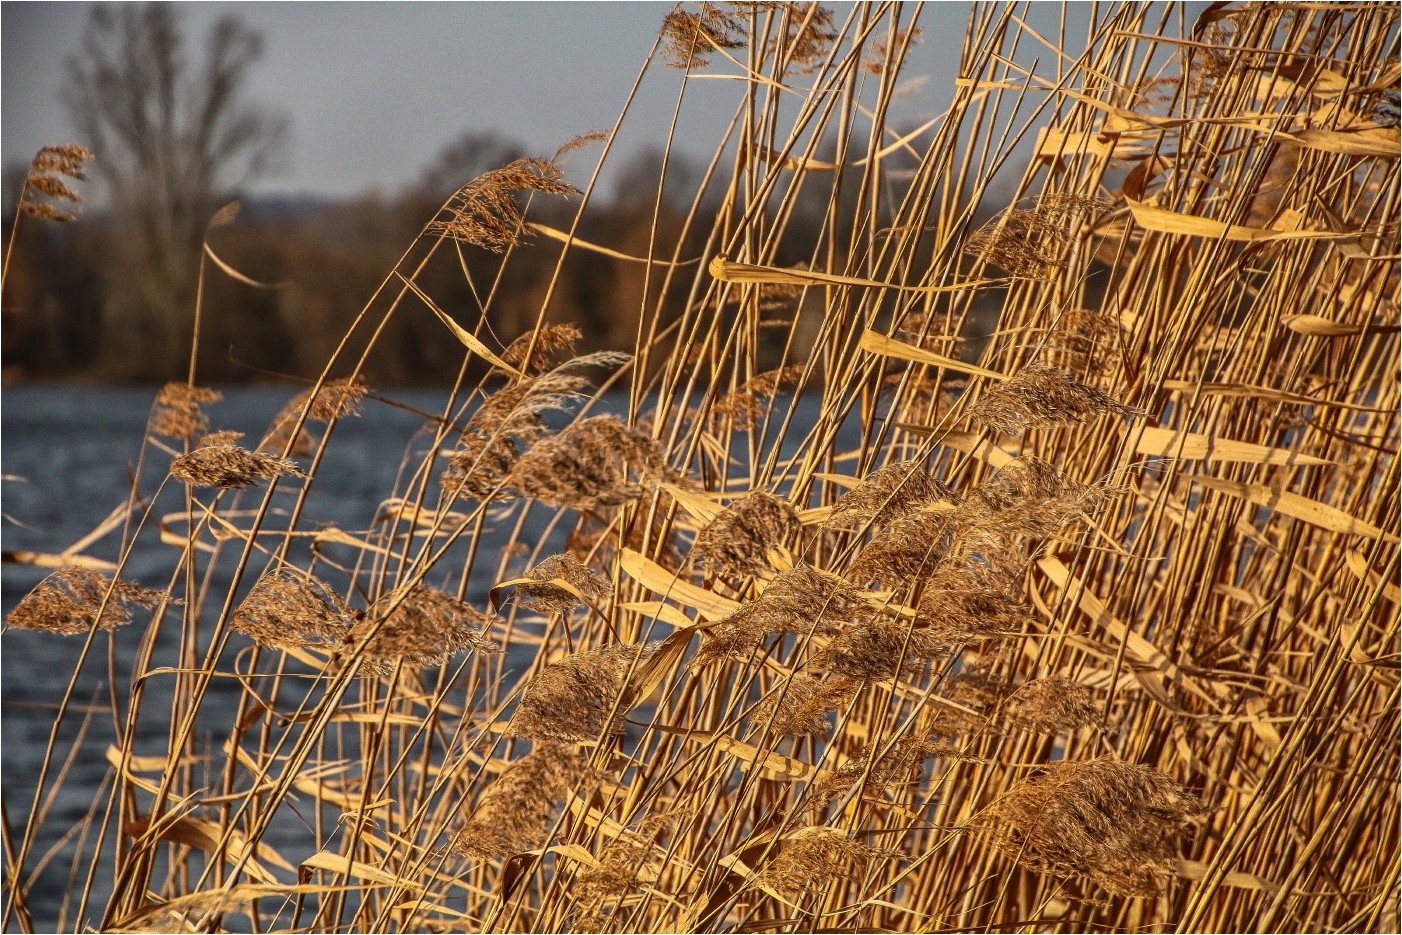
{"points": [[69, 457]]}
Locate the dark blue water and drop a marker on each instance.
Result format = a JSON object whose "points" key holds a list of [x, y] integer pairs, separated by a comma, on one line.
{"points": [[70, 455]]}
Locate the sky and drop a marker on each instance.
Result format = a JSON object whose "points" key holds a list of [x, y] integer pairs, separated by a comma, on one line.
{"points": [[374, 91]]}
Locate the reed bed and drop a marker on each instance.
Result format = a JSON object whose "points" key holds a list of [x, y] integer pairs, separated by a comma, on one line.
{"points": [[1070, 605]]}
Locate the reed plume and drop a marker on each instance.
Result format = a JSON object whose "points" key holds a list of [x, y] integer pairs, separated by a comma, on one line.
{"points": [[290, 609], [514, 813], [334, 399], [1116, 823], [737, 542], [75, 600], [229, 466], [176, 412], [576, 699], [559, 584], [484, 212], [417, 625]]}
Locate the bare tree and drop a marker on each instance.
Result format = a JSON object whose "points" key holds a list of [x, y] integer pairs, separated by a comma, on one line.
{"points": [[174, 138]]}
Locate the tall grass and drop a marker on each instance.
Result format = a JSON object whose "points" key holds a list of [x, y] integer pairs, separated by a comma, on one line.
{"points": [[1035, 574]]}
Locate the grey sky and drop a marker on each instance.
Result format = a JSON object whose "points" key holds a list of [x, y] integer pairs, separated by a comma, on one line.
{"points": [[375, 90]]}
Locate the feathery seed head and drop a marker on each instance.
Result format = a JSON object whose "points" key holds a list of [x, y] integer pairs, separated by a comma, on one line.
{"points": [[514, 812], [547, 346], [1033, 243], [226, 466], [737, 541], [689, 39], [1105, 819], [176, 412], [815, 856], [484, 212], [878, 649], [886, 493], [742, 408], [550, 596], [67, 602], [794, 601], [1052, 705], [572, 699], [422, 626], [290, 609], [1039, 396], [906, 550], [809, 35], [47, 171], [801, 706], [332, 400], [594, 462]]}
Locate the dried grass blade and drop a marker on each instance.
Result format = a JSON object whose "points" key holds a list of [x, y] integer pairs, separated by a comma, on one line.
{"points": [[1173, 443], [874, 342], [240, 277], [465, 337], [1296, 506], [1135, 644], [1320, 327], [345, 866], [567, 238], [207, 836], [724, 269], [56, 560], [652, 575]]}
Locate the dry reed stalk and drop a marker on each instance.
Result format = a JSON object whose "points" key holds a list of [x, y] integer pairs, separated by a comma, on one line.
{"points": [[1232, 601]]}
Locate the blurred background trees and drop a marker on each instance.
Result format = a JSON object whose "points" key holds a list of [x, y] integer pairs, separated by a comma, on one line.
{"points": [[111, 297], [175, 138]]}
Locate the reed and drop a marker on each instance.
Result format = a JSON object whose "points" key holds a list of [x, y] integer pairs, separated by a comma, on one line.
{"points": [[1072, 606]]}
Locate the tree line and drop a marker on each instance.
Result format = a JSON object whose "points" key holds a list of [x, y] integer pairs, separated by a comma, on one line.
{"points": [[111, 295]]}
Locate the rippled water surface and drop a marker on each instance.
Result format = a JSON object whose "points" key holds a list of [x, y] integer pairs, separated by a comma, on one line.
{"points": [[70, 456]]}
